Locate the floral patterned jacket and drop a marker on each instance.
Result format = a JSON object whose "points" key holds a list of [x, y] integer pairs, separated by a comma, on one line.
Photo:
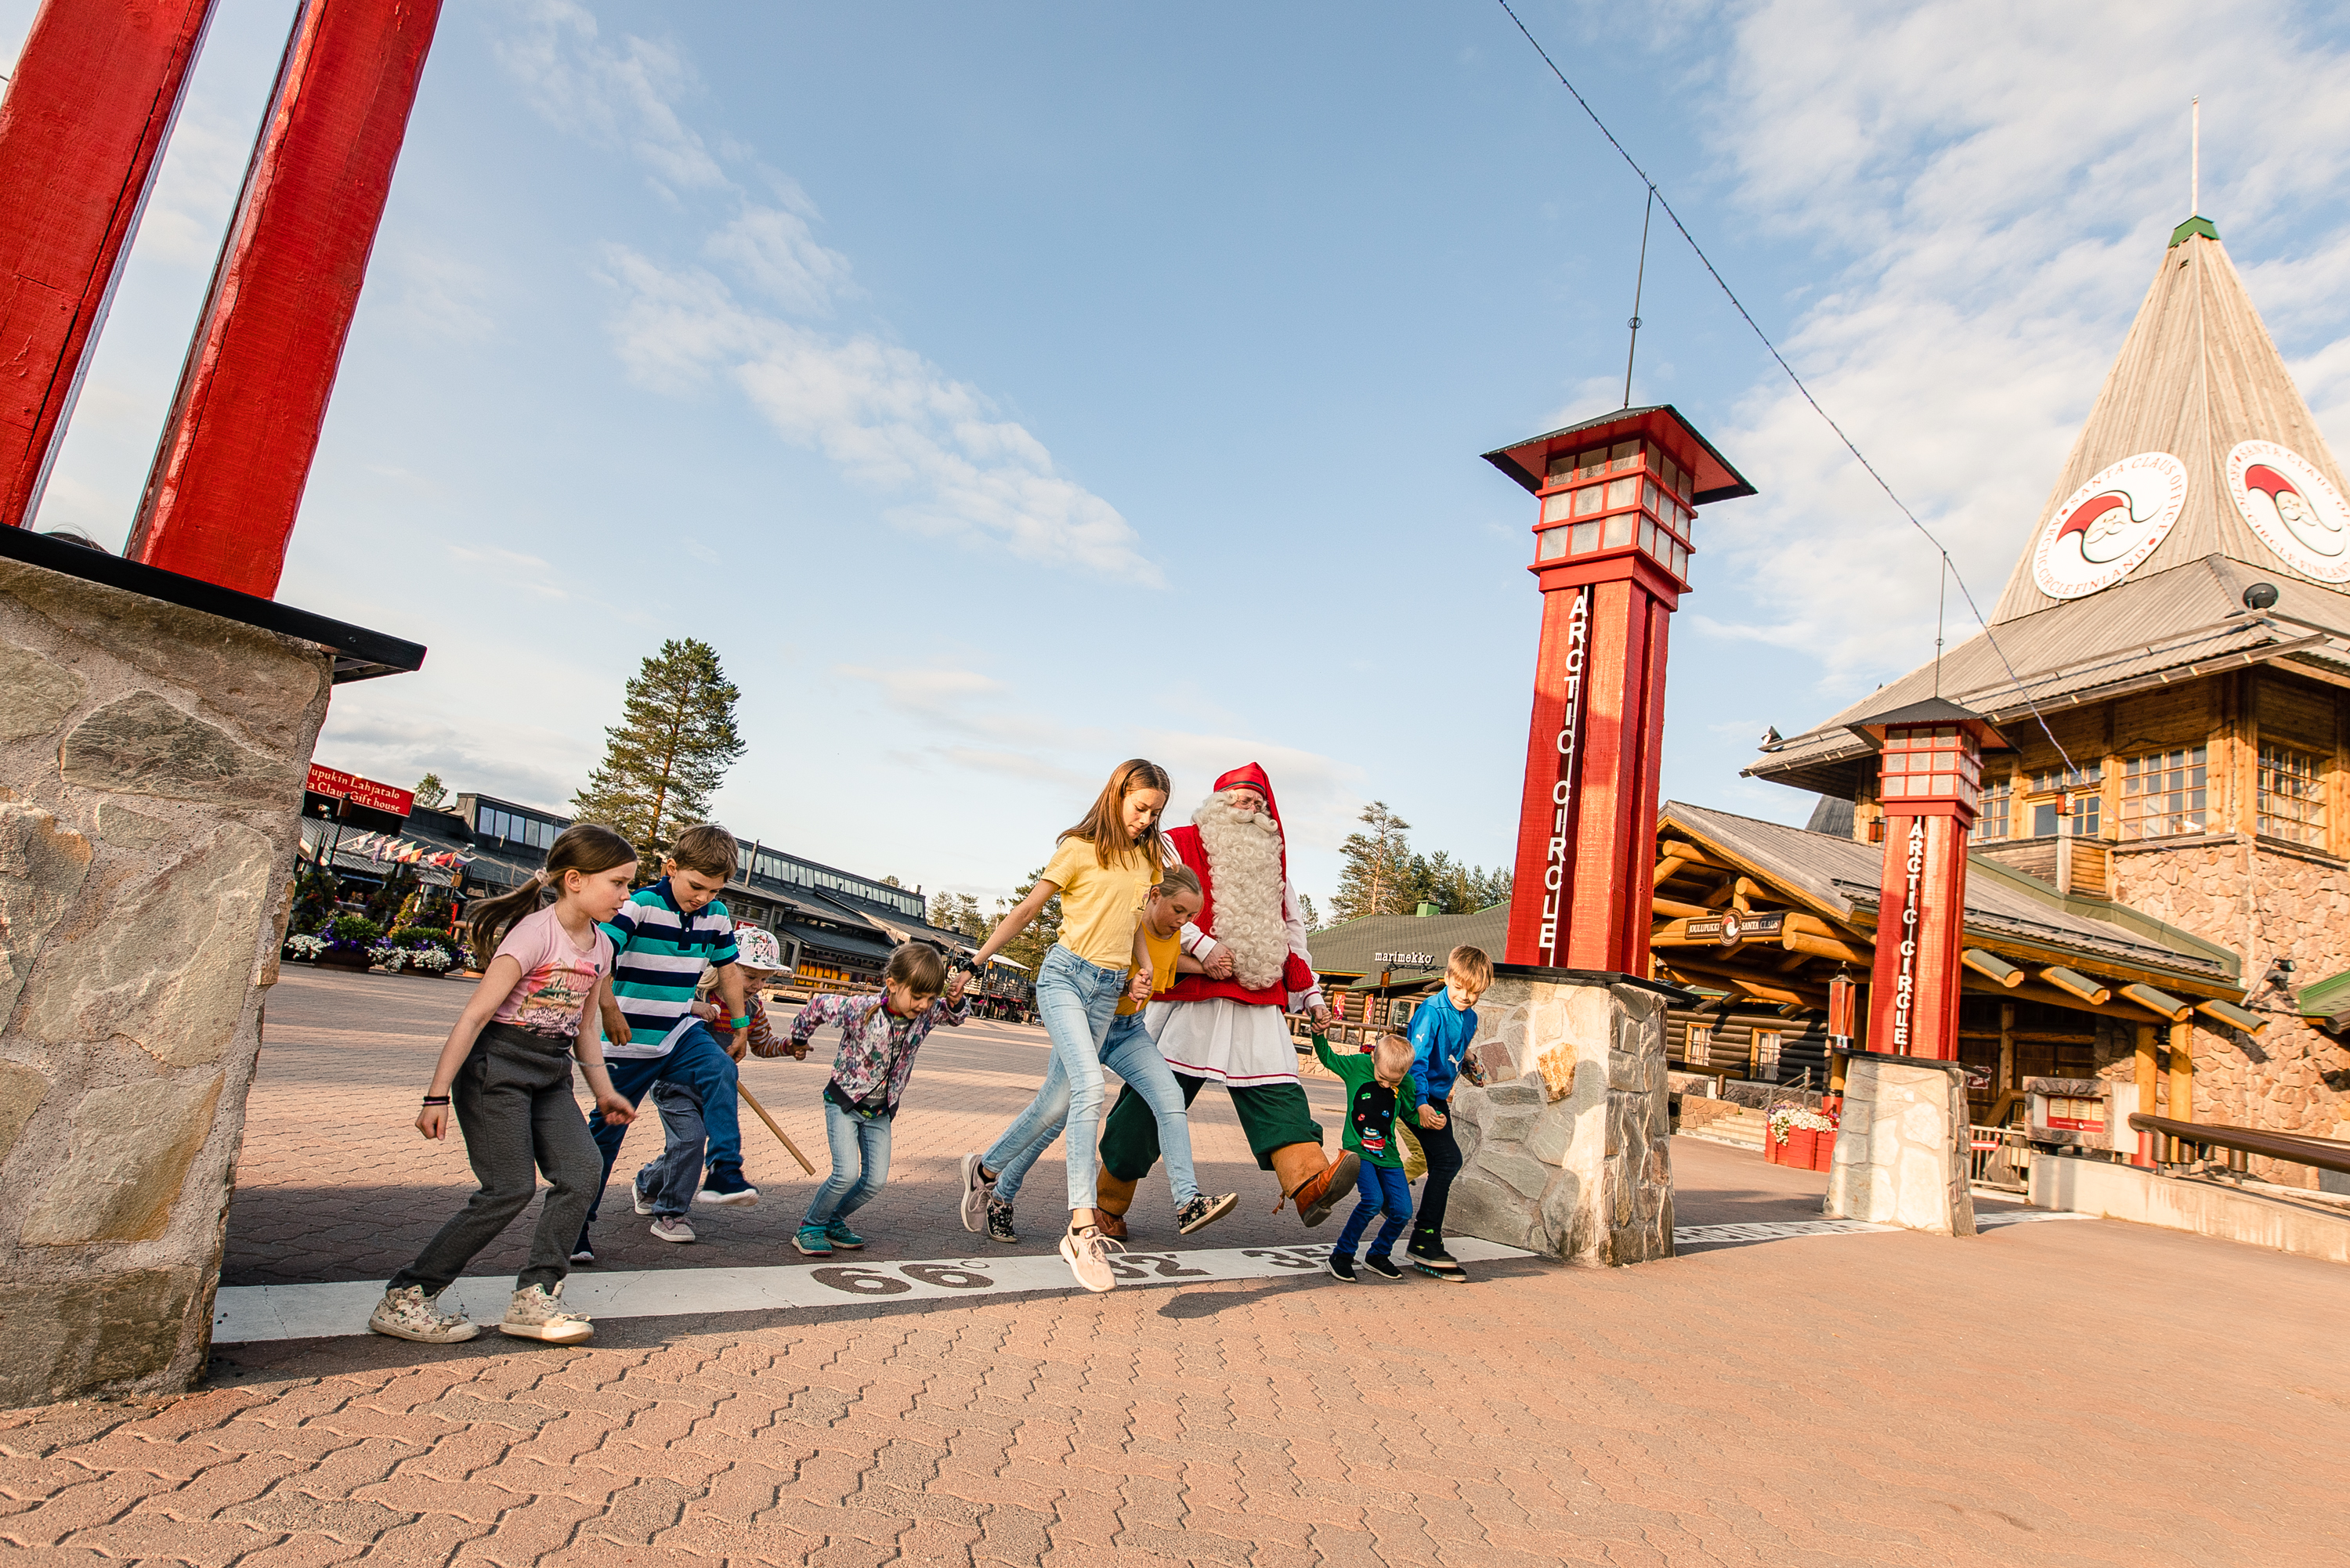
{"points": [[877, 1051]]}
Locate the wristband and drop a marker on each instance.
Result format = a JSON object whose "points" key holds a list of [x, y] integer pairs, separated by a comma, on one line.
{"points": [[742, 1022], [436, 1099]]}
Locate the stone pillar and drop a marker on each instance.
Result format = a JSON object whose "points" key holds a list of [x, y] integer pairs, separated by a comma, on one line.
{"points": [[1565, 1150], [1901, 1148], [151, 760]]}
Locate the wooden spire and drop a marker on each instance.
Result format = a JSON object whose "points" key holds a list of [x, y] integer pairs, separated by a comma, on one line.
{"points": [[2197, 377]]}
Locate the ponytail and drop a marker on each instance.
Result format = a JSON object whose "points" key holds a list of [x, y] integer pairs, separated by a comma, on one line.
{"points": [[584, 847]]}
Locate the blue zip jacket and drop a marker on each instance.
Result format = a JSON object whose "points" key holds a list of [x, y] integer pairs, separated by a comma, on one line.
{"points": [[1439, 1033]]}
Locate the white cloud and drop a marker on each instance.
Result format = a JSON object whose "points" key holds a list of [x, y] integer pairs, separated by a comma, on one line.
{"points": [[890, 420], [777, 251], [1997, 215], [622, 96]]}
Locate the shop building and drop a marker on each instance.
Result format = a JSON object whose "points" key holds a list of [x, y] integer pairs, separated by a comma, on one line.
{"points": [[2172, 679]]}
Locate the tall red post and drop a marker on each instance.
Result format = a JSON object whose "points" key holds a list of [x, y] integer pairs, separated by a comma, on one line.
{"points": [[228, 478], [1933, 784], [81, 134], [1611, 555]]}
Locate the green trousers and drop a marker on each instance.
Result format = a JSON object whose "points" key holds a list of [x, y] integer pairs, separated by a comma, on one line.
{"points": [[1274, 1116]]}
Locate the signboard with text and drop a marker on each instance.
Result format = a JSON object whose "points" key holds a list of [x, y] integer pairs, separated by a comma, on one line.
{"points": [[368, 793]]}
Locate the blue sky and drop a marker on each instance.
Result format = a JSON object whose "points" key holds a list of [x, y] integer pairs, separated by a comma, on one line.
{"points": [[1007, 391]]}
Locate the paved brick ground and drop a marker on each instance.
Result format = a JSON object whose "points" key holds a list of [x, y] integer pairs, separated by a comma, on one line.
{"points": [[2063, 1394]]}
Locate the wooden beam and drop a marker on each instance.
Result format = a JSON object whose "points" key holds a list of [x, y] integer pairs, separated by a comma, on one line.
{"points": [[1779, 990], [2235, 1017], [2143, 1154], [2170, 1007], [1996, 968], [1675, 908], [2078, 984], [1691, 852], [1804, 942], [2032, 990]]}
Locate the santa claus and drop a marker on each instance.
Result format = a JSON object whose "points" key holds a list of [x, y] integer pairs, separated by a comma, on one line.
{"points": [[1245, 966]]}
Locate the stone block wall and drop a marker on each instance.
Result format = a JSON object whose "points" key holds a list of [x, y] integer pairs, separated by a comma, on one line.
{"points": [[1901, 1147], [2264, 903], [1567, 1151], [152, 762]]}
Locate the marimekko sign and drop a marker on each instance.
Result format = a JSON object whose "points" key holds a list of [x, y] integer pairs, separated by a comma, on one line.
{"points": [[2294, 509], [2108, 525]]}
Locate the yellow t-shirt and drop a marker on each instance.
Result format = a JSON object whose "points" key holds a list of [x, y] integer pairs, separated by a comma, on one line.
{"points": [[1099, 904], [1163, 952]]}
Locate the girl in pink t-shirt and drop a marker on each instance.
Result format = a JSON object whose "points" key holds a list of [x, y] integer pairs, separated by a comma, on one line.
{"points": [[506, 1070]]}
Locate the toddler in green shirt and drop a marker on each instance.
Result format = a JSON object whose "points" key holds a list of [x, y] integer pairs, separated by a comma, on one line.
{"points": [[1378, 1087]]}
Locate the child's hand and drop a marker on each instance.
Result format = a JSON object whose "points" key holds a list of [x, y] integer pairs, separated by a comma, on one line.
{"points": [[1138, 987], [955, 984], [617, 1112], [738, 1043], [799, 1052], [1220, 964], [433, 1121], [1432, 1120], [616, 1029]]}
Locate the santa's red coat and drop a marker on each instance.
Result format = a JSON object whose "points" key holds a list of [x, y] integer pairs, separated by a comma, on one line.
{"points": [[1297, 975]]}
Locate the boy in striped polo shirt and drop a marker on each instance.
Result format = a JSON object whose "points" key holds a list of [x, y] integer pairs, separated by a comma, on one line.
{"points": [[662, 939]]}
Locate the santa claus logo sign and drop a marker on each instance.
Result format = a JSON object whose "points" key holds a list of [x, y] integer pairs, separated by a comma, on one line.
{"points": [[2108, 525], [2294, 509]]}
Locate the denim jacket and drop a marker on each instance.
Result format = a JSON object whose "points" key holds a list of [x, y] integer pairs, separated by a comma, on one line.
{"points": [[877, 1051]]}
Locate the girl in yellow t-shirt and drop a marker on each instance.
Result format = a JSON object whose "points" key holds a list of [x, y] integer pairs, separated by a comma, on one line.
{"points": [[1102, 869]]}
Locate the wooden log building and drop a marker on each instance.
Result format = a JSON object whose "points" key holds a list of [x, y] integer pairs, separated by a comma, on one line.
{"points": [[2162, 853]]}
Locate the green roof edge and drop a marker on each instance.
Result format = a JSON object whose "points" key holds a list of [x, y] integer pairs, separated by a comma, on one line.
{"points": [[2196, 225]]}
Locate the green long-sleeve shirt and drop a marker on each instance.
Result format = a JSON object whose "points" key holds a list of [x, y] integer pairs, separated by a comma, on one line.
{"points": [[1371, 1105]]}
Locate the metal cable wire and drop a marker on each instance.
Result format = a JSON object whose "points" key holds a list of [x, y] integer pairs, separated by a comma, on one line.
{"points": [[1764, 339]]}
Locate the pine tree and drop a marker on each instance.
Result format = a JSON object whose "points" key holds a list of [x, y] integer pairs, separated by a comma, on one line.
{"points": [[958, 913], [431, 793], [669, 751], [1306, 908], [1029, 948], [1377, 867]]}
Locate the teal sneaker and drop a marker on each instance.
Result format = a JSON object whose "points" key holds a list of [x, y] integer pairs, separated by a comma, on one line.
{"points": [[812, 1241], [840, 1235]]}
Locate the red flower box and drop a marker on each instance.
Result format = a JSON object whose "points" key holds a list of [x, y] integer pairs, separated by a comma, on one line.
{"points": [[1800, 1142], [1824, 1152]]}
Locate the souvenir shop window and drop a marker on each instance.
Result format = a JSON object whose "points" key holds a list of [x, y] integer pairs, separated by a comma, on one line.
{"points": [[1699, 1050], [2164, 794]]}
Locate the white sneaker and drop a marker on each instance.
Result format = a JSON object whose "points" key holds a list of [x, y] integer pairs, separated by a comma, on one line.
{"points": [[408, 1313], [644, 1204], [672, 1228], [538, 1312], [976, 1192], [1087, 1253]]}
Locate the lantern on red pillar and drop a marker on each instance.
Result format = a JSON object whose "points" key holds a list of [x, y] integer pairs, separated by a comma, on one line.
{"points": [[1612, 542], [1933, 784]]}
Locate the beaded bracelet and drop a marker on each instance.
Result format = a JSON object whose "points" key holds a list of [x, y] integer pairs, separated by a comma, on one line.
{"points": [[742, 1022], [436, 1099]]}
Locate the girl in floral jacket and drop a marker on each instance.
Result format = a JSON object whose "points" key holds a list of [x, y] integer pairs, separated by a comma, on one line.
{"points": [[878, 1038]]}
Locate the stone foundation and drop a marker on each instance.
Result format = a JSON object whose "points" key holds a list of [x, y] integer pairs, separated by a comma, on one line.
{"points": [[1901, 1145], [1565, 1152], [152, 762]]}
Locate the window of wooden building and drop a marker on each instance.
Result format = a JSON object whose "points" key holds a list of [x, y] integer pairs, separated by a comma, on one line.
{"points": [[2164, 794], [2291, 798], [2054, 788], [1766, 1056], [1998, 800], [1699, 1050]]}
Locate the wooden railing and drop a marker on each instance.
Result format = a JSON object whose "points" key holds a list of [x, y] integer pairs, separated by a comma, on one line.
{"points": [[2323, 1154]]}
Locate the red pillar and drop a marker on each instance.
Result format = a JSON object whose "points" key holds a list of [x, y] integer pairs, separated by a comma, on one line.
{"points": [[228, 477], [81, 132], [1611, 555], [1932, 775]]}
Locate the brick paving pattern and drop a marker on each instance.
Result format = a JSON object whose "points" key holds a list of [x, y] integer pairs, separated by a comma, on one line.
{"points": [[2081, 1392]]}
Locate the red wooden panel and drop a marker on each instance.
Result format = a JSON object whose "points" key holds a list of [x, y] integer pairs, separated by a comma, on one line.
{"points": [[228, 479], [81, 134]]}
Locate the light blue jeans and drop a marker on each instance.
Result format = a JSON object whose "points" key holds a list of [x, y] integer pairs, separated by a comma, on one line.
{"points": [[666, 1185], [1077, 1000], [1133, 1056], [860, 1164]]}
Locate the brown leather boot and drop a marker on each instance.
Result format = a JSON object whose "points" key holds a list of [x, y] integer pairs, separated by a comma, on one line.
{"points": [[1112, 1198], [1314, 1183]]}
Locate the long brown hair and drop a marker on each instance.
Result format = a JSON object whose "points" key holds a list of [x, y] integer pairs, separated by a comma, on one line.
{"points": [[1103, 830], [587, 847]]}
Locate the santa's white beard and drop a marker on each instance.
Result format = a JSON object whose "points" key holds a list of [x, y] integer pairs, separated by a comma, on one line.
{"points": [[1244, 867]]}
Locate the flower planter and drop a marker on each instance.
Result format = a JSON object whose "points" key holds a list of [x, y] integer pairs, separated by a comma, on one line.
{"points": [[355, 959], [1823, 1151], [1770, 1146], [1801, 1143]]}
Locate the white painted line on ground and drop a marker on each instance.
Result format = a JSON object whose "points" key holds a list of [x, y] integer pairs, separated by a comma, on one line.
{"points": [[244, 1313], [1783, 1229]]}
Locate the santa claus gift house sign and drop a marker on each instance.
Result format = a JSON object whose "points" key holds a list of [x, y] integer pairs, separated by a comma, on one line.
{"points": [[1613, 539]]}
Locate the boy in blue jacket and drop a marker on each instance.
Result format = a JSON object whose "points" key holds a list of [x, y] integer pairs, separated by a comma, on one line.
{"points": [[1441, 1028]]}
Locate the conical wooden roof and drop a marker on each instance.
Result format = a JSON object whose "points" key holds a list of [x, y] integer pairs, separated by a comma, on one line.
{"points": [[2197, 377]]}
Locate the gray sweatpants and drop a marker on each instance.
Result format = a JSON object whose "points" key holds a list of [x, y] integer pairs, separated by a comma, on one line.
{"points": [[512, 1100], [666, 1185]]}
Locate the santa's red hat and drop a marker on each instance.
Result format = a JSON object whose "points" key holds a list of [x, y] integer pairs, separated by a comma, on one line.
{"points": [[1247, 775], [2089, 511]]}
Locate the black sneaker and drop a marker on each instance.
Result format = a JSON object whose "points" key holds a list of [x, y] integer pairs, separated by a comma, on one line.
{"points": [[1441, 1268], [1341, 1266], [1382, 1265], [999, 1223], [1203, 1212]]}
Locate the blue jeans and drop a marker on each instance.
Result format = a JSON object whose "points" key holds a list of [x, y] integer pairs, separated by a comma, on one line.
{"points": [[860, 1164], [697, 1061], [1133, 1056], [666, 1185], [1077, 1001], [1384, 1192]]}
